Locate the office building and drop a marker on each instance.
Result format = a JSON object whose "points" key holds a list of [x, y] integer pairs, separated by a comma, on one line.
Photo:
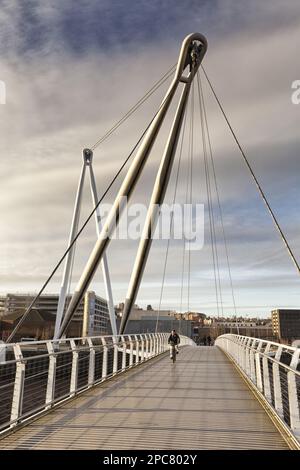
{"points": [[286, 324], [90, 319]]}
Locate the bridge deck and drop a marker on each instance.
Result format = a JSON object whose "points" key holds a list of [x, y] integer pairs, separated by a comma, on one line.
{"points": [[200, 402]]}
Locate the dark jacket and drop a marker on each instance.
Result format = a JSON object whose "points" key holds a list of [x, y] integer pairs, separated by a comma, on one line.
{"points": [[175, 338]]}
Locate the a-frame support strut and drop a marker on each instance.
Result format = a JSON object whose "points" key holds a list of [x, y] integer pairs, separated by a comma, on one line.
{"points": [[87, 164]]}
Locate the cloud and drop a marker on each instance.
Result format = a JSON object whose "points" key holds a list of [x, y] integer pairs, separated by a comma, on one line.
{"points": [[72, 72]]}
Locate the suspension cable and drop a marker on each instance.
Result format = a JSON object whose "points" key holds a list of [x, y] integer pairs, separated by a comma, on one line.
{"points": [[191, 150], [135, 107], [210, 210], [276, 223], [183, 238], [218, 200]]}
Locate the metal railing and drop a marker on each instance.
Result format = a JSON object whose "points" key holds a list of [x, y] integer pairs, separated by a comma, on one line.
{"points": [[273, 369], [35, 376]]}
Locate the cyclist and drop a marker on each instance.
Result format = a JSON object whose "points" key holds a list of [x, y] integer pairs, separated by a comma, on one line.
{"points": [[175, 339]]}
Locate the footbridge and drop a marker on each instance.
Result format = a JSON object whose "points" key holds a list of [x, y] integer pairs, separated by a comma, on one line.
{"points": [[125, 393], [122, 391]]}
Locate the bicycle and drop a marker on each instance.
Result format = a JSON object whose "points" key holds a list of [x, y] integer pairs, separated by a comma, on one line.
{"points": [[172, 351]]}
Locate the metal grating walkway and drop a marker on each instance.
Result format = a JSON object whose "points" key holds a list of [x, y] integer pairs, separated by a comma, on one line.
{"points": [[200, 402]]}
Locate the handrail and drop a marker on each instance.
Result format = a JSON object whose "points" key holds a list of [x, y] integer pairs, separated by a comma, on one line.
{"points": [[276, 379]]}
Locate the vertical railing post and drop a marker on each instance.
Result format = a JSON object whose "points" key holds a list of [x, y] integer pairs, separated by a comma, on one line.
{"points": [[252, 362], [137, 347], [238, 351], [2, 352], [123, 352], [277, 384], [266, 374], [147, 346], [161, 342], [235, 349], [131, 351], [229, 346], [104, 358], [115, 360], [162, 339], [50, 392], [142, 348], [248, 366], [243, 355], [17, 401], [156, 343], [293, 394], [92, 354], [259, 382], [74, 371], [165, 342], [244, 358], [155, 337], [151, 345]]}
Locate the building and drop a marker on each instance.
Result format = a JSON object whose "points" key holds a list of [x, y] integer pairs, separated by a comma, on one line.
{"points": [[151, 320], [164, 325], [39, 325], [196, 317], [286, 324], [197, 322], [138, 313], [255, 327], [90, 319]]}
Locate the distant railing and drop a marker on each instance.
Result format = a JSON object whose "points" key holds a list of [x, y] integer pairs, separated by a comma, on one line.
{"points": [[37, 375], [274, 370]]}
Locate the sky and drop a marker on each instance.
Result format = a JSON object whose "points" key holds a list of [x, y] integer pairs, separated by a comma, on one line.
{"points": [[72, 69]]}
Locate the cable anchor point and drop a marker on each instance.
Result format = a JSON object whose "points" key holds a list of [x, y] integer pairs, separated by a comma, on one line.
{"points": [[195, 54], [87, 156]]}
